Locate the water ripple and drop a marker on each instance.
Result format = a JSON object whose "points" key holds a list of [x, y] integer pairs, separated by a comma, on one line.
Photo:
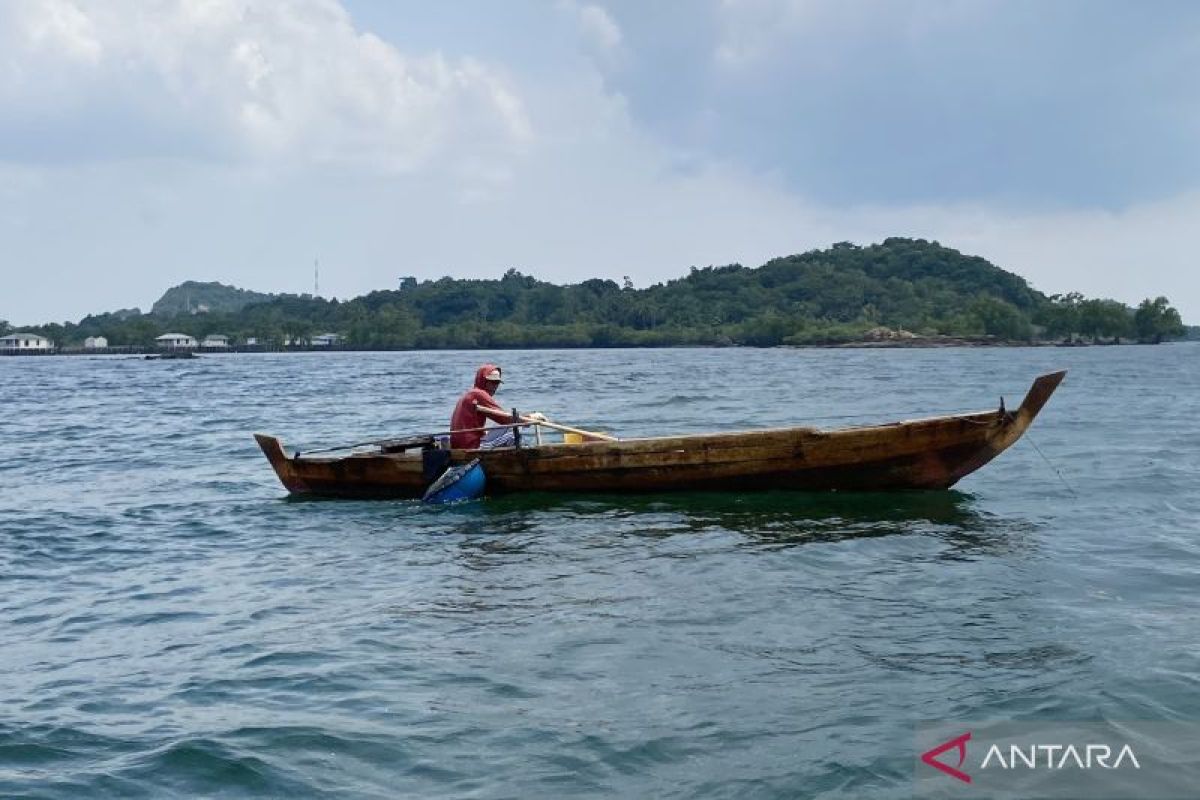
{"points": [[172, 626]]}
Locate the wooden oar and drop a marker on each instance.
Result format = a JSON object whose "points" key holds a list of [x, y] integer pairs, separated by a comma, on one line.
{"points": [[565, 428], [568, 429]]}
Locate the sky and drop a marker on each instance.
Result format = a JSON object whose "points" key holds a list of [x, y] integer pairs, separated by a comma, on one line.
{"points": [[148, 142]]}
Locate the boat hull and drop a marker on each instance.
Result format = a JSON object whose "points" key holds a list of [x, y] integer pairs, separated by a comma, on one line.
{"points": [[933, 453]]}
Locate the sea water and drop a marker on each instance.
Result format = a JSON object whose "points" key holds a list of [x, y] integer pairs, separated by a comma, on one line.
{"points": [[172, 625]]}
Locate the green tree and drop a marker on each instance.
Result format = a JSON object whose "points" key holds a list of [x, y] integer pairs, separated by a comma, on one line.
{"points": [[1000, 318], [1105, 318], [1156, 320], [136, 332], [1059, 318], [766, 330]]}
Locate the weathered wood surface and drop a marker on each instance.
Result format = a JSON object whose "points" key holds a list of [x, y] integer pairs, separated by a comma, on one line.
{"points": [[933, 453]]}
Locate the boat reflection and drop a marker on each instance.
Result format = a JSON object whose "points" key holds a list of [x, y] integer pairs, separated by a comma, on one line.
{"points": [[512, 524], [767, 519]]}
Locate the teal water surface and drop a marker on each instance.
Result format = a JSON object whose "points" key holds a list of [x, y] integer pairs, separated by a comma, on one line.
{"points": [[171, 625]]}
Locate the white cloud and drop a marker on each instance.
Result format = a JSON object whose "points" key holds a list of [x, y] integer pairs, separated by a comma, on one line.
{"points": [[599, 33], [288, 80], [58, 26], [592, 195], [599, 27]]}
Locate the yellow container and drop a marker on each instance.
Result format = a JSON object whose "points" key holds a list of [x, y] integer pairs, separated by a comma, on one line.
{"points": [[572, 438]]}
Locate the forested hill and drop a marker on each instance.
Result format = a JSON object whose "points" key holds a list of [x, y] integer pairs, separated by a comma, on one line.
{"points": [[192, 296], [839, 294]]}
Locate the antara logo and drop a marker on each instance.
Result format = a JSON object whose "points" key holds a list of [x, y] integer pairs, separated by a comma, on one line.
{"points": [[1059, 756], [1034, 756], [958, 743]]}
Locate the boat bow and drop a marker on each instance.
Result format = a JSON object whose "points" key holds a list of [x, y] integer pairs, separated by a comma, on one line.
{"points": [[1011, 428]]}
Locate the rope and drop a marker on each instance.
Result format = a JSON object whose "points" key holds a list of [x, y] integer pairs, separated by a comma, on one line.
{"points": [[1051, 466]]}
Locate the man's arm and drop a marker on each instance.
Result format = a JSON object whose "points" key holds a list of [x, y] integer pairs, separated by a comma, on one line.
{"points": [[496, 414]]}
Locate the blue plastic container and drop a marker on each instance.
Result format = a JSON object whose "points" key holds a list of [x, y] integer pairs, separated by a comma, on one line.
{"points": [[464, 482]]}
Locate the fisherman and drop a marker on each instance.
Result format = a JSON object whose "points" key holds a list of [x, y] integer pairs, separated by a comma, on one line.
{"points": [[476, 407]]}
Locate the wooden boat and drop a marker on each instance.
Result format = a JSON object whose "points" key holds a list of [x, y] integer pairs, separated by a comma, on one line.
{"points": [[931, 453]]}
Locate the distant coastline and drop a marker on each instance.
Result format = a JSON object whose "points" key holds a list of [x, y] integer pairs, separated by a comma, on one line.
{"points": [[900, 293], [918, 343]]}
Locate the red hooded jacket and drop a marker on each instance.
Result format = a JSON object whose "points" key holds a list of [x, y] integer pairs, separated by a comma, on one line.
{"points": [[465, 416]]}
